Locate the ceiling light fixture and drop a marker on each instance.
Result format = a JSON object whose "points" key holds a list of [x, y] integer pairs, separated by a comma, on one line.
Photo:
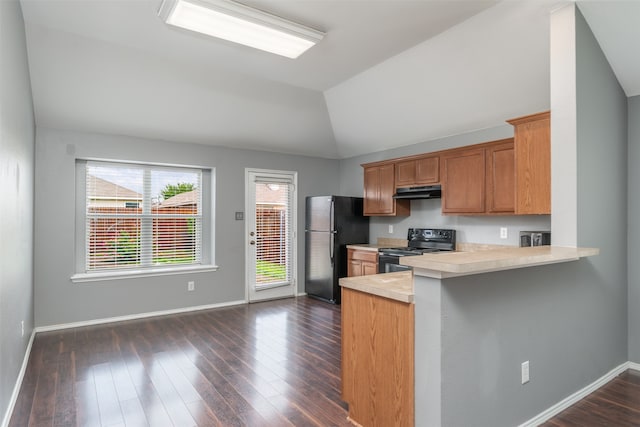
{"points": [[238, 23]]}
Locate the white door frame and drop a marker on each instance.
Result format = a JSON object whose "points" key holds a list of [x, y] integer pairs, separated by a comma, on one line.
{"points": [[252, 295]]}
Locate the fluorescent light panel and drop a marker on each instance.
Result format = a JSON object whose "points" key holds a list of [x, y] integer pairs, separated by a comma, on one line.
{"points": [[238, 23]]}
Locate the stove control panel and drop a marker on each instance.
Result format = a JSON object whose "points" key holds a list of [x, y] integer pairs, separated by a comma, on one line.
{"points": [[431, 234]]}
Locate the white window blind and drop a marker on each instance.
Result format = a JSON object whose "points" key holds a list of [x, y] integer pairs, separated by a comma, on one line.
{"points": [[142, 216], [274, 243]]}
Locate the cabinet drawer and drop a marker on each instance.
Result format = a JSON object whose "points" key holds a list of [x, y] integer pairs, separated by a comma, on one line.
{"points": [[370, 256]]}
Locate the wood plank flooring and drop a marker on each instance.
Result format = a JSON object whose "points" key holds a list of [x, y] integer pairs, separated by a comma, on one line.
{"points": [[616, 404], [274, 363]]}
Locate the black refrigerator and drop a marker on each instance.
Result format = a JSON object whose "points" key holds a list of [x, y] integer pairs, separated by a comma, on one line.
{"points": [[331, 223]]}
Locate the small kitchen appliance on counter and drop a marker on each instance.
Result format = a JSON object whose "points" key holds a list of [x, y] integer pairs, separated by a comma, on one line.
{"points": [[535, 238], [421, 241]]}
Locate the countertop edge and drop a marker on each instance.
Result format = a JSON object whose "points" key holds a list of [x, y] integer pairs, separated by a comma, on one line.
{"points": [[464, 264], [399, 288], [365, 247]]}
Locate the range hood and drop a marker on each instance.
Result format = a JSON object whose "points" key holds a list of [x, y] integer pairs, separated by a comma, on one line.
{"points": [[423, 192]]}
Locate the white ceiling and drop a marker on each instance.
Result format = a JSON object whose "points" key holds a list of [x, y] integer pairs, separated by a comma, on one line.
{"points": [[388, 73]]}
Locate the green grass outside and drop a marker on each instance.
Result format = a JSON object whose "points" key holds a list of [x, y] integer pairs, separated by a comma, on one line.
{"points": [[271, 269]]}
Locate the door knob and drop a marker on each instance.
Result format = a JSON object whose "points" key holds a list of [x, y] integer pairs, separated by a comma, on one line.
{"points": [[253, 242]]}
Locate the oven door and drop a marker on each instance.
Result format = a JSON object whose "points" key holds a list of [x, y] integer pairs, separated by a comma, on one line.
{"points": [[390, 263]]}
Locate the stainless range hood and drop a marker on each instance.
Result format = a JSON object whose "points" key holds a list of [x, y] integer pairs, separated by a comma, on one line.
{"points": [[423, 192]]}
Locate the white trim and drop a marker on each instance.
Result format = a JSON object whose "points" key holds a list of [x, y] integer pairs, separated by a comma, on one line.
{"points": [[130, 274], [301, 294], [136, 316], [269, 292], [634, 366], [575, 397], [18, 385]]}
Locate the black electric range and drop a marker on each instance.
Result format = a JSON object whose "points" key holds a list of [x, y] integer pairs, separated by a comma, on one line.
{"points": [[421, 241]]}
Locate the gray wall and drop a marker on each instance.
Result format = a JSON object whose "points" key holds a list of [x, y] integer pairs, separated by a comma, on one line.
{"points": [[602, 170], [16, 198], [634, 229], [569, 320], [427, 213], [59, 301]]}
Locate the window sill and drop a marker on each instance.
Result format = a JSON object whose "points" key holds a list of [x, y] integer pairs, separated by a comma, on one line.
{"points": [[131, 274]]}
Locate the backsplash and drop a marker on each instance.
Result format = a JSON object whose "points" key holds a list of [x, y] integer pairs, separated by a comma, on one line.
{"points": [[469, 229]]}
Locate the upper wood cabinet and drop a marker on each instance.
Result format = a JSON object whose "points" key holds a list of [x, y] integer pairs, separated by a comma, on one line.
{"points": [[379, 188], [479, 179], [532, 136], [463, 181], [423, 170], [500, 178], [505, 177]]}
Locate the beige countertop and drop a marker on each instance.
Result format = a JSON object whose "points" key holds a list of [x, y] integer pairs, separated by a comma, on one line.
{"points": [[382, 242], [365, 247], [397, 286], [451, 264]]}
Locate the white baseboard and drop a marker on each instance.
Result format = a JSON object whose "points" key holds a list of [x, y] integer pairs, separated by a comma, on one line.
{"points": [[135, 316], [580, 394], [634, 366], [18, 385], [301, 294]]}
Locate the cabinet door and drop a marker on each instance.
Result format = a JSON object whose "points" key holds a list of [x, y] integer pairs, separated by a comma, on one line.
{"points": [[532, 135], [500, 178], [369, 268], [406, 173], [371, 190], [387, 189], [428, 170], [463, 181], [354, 268], [379, 188], [421, 171], [361, 263]]}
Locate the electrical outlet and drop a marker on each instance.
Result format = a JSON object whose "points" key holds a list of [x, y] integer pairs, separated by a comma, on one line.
{"points": [[191, 285], [504, 232], [390, 229], [524, 374], [22, 328]]}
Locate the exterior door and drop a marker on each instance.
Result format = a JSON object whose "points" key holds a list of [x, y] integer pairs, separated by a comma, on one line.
{"points": [[270, 234]]}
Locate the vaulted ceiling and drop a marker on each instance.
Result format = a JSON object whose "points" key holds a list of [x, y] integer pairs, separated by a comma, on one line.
{"points": [[389, 72]]}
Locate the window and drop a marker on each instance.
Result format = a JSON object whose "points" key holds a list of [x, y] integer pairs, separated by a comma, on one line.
{"points": [[142, 218]]}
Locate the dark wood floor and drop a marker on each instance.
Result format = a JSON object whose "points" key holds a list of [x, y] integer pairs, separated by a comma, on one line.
{"points": [[275, 363], [616, 404]]}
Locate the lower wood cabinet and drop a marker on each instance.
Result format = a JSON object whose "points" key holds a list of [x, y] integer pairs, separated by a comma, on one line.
{"points": [[361, 263], [377, 359]]}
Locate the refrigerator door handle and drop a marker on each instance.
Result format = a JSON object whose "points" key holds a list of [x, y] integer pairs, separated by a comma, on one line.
{"points": [[331, 230]]}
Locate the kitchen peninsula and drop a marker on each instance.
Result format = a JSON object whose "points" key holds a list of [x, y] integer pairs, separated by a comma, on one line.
{"points": [[450, 320]]}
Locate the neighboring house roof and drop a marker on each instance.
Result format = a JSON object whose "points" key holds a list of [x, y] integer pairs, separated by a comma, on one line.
{"points": [[182, 199], [271, 195], [103, 189]]}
